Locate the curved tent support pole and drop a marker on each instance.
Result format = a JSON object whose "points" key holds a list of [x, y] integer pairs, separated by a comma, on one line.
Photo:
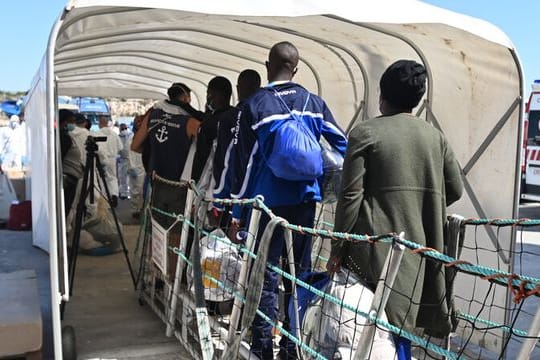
{"points": [[135, 55], [330, 44], [517, 187], [132, 51], [101, 76], [101, 11], [349, 71], [159, 89], [142, 67], [210, 48], [201, 31], [61, 223], [396, 35], [56, 297], [421, 108], [355, 118]]}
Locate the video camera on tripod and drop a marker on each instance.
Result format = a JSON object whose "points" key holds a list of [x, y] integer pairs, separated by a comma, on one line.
{"points": [[91, 142], [87, 192]]}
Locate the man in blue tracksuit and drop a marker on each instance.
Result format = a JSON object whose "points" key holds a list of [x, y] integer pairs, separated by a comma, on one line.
{"points": [[293, 200], [249, 81]]}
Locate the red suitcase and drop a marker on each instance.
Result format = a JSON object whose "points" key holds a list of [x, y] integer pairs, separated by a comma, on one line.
{"points": [[20, 216]]}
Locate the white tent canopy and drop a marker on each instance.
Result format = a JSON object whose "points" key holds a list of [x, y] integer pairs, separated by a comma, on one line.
{"points": [[138, 48]]}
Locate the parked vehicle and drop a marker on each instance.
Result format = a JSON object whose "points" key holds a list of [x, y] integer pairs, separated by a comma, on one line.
{"points": [[91, 107], [530, 164]]}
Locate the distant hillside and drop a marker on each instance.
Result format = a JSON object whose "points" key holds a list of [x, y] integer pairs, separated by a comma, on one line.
{"points": [[11, 95], [128, 107]]}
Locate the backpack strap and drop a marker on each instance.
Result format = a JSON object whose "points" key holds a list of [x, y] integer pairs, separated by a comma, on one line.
{"points": [[287, 107]]}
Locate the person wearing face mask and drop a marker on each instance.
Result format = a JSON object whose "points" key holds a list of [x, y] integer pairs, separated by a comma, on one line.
{"points": [[248, 83], [218, 107], [72, 170], [166, 134], [123, 162]]}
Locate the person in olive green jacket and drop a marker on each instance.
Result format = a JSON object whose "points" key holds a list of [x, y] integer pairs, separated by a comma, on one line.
{"points": [[399, 174]]}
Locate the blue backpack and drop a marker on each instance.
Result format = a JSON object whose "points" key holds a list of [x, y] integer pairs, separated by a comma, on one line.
{"points": [[296, 153]]}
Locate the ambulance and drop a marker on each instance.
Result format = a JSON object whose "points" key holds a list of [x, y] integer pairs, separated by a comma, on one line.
{"points": [[530, 165]]}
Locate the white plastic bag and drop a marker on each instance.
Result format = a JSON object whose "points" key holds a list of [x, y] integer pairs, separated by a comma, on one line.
{"points": [[87, 241], [7, 195], [334, 331], [333, 171], [220, 261], [102, 226]]}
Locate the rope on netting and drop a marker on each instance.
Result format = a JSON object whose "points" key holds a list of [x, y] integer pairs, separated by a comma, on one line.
{"points": [[181, 183], [420, 341], [521, 286], [521, 292], [495, 275], [502, 222], [222, 285], [492, 324]]}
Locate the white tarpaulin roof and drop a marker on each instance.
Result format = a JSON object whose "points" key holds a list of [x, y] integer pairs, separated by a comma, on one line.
{"points": [[138, 48]]}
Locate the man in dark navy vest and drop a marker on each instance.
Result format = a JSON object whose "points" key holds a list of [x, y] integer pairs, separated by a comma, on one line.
{"points": [[168, 131]]}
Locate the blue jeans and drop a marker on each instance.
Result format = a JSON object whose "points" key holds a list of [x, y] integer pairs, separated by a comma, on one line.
{"points": [[304, 215]]}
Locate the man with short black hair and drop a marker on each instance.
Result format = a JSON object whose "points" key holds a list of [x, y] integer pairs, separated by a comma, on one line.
{"points": [[218, 108], [279, 105], [248, 83], [168, 131]]}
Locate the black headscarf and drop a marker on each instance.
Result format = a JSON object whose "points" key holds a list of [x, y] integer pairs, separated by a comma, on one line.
{"points": [[403, 84]]}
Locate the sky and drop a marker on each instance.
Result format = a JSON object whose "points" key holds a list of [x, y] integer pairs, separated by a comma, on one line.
{"points": [[26, 25]]}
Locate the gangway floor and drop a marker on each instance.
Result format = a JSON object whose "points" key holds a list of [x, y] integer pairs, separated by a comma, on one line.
{"points": [[105, 312]]}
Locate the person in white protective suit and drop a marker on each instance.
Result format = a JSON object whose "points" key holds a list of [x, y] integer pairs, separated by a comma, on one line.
{"points": [[13, 144], [136, 172], [108, 153], [79, 135], [123, 162]]}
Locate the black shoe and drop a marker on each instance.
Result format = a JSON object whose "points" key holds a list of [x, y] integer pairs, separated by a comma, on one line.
{"points": [[124, 197], [114, 201]]}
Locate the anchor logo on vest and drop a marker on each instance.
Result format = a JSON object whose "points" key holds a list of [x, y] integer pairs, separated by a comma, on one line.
{"points": [[161, 134]]}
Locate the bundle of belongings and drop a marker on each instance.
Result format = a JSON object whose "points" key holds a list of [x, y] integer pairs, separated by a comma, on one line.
{"points": [[334, 331], [99, 236], [221, 261]]}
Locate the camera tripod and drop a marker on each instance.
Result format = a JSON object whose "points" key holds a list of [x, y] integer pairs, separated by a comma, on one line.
{"points": [[87, 191]]}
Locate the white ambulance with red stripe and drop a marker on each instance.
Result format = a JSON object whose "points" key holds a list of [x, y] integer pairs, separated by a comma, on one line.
{"points": [[530, 165]]}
